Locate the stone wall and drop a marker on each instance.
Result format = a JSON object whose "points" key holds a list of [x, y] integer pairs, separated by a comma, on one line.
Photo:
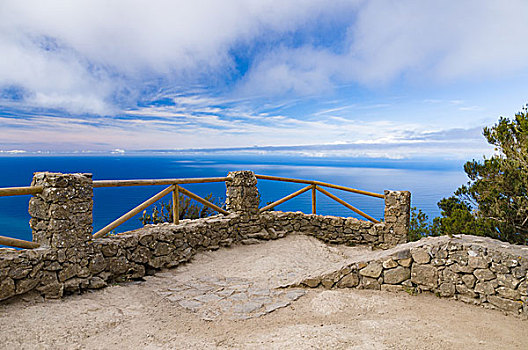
{"points": [[397, 217], [472, 269], [242, 195], [476, 270], [70, 260], [61, 216], [329, 229]]}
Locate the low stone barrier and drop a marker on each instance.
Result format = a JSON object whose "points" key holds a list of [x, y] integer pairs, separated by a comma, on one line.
{"points": [[69, 261], [477, 270], [56, 271]]}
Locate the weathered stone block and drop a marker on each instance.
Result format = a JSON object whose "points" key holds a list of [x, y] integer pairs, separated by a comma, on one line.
{"points": [[312, 282], [477, 262], [327, 282], [140, 255], [146, 240], [25, 285], [396, 275], [425, 275], [7, 288], [464, 290], [158, 262], [508, 281], [97, 263], [505, 304], [486, 288], [109, 249], [349, 281], [96, 283], [509, 293], [52, 291], [447, 289], [67, 272], [389, 264], [484, 274], [38, 209], [48, 277], [117, 265], [20, 271], [523, 287], [469, 280], [520, 271], [405, 262], [373, 270], [499, 268], [370, 283], [72, 285], [420, 255], [458, 268]]}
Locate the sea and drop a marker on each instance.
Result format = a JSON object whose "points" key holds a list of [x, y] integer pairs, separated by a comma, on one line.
{"points": [[428, 180]]}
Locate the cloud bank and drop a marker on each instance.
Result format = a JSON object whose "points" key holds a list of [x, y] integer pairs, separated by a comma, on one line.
{"points": [[99, 57]]}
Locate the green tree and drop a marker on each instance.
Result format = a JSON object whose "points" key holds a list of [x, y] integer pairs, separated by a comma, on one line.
{"points": [[188, 209], [419, 226], [495, 200]]}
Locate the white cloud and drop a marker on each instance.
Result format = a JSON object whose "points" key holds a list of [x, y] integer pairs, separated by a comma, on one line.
{"points": [[98, 49], [92, 56], [428, 41]]}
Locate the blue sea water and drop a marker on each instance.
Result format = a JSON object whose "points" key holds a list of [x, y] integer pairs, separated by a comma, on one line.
{"points": [[428, 182]]}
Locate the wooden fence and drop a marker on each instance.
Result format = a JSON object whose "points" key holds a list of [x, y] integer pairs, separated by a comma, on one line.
{"points": [[175, 188]]}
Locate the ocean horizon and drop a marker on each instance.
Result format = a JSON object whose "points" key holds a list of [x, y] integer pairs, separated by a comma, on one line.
{"points": [[428, 180]]}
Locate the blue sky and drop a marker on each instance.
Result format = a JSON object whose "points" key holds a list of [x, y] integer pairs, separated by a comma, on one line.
{"points": [[389, 79]]}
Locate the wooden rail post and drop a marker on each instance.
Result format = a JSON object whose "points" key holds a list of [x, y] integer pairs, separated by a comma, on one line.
{"points": [[314, 196], [176, 205]]}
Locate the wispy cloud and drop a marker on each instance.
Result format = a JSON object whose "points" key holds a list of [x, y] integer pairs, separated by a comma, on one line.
{"points": [[177, 74]]}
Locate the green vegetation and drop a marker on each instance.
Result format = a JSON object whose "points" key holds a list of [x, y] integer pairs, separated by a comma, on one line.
{"points": [[494, 202], [162, 212]]}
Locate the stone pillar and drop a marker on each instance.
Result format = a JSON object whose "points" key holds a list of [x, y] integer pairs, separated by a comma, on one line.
{"points": [[61, 216], [242, 195], [397, 216]]}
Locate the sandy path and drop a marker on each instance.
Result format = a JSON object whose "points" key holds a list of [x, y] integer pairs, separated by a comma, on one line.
{"points": [[142, 316]]}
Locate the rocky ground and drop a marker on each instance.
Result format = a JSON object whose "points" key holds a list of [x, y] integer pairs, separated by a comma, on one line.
{"points": [[239, 298]]}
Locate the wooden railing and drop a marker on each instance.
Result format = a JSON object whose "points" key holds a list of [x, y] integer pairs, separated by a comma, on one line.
{"points": [[176, 189], [19, 191], [316, 186]]}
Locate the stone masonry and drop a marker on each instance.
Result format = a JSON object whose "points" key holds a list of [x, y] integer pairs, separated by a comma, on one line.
{"points": [[62, 213], [397, 216], [70, 260], [476, 270], [242, 195]]}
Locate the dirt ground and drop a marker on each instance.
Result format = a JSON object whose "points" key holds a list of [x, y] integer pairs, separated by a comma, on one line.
{"points": [[231, 299]]}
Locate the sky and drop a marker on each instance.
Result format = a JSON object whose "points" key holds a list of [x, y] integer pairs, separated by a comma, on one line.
{"points": [[382, 79]]}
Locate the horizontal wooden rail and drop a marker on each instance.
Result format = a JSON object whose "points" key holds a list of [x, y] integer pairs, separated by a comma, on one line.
{"points": [[19, 191], [339, 200], [319, 183], [121, 183], [18, 243], [133, 212], [288, 197], [202, 201]]}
